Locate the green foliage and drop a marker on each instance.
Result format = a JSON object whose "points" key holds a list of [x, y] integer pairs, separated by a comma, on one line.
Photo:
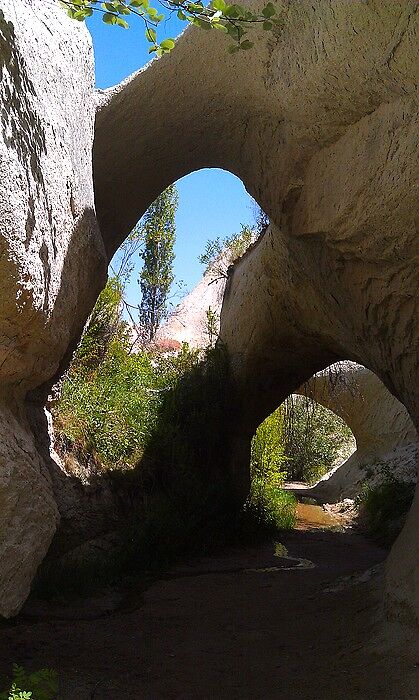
{"points": [[167, 418], [157, 274], [40, 685], [313, 437], [234, 20], [267, 450], [268, 505], [193, 416], [212, 325], [102, 327], [219, 254], [190, 503], [110, 414], [275, 509], [386, 506]]}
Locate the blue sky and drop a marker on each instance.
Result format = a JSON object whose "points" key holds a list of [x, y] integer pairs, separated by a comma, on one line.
{"points": [[211, 202]]}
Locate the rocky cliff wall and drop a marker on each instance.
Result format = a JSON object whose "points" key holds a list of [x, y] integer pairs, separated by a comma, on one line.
{"points": [[52, 260]]}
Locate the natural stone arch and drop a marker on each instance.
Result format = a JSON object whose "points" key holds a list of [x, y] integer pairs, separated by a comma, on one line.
{"points": [[384, 433], [264, 124], [289, 329], [328, 150]]}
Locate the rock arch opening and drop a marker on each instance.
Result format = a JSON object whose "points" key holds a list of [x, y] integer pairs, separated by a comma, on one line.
{"points": [[375, 430]]}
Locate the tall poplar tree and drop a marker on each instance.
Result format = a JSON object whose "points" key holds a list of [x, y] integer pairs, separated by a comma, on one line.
{"points": [[158, 255]]}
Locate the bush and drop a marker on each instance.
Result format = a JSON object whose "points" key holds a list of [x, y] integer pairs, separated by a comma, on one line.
{"points": [[160, 424], [110, 413], [268, 505], [40, 685], [313, 438], [103, 326], [386, 507]]}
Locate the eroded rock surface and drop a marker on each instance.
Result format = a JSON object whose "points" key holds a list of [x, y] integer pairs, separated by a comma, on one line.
{"points": [[322, 131], [52, 262], [386, 440]]}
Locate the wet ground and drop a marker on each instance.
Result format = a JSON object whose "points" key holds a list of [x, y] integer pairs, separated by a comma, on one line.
{"points": [[289, 619]]}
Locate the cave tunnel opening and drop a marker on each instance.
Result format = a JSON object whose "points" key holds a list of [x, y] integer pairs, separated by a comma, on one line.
{"points": [[341, 442]]}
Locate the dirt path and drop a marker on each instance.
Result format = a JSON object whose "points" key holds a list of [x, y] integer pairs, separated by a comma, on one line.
{"points": [[249, 623]]}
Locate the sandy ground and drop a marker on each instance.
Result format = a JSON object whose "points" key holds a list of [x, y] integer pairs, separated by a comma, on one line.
{"points": [[244, 624]]}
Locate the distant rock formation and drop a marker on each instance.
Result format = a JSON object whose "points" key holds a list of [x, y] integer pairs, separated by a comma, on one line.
{"points": [[189, 322], [386, 438]]}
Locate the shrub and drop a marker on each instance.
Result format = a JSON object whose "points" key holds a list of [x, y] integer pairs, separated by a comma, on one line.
{"points": [[166, 418], [103, 326], [110, 413], [219, 254], [40, 685], [313, 437], [386, 506], [268, 505]]}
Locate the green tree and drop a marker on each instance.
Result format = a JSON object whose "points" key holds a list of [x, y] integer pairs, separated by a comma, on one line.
{"points": [[157, 274], [219, 254], [103, 326], [313, 437]]}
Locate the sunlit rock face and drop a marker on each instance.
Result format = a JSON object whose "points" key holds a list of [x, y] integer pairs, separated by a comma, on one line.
{"points": [[51, 256], [189, 322], [319, 123]]}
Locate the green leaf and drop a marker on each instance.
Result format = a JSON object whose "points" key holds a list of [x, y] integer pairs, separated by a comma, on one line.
{"points": [[219, 5], [269, 10], [151, 35], [202, 23], [245, 45], [232, 30], [231, 11], [109, 18], [122, 23], [167, 44], [181, 15], [267, 25], [195, 7], [234, 48]]}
